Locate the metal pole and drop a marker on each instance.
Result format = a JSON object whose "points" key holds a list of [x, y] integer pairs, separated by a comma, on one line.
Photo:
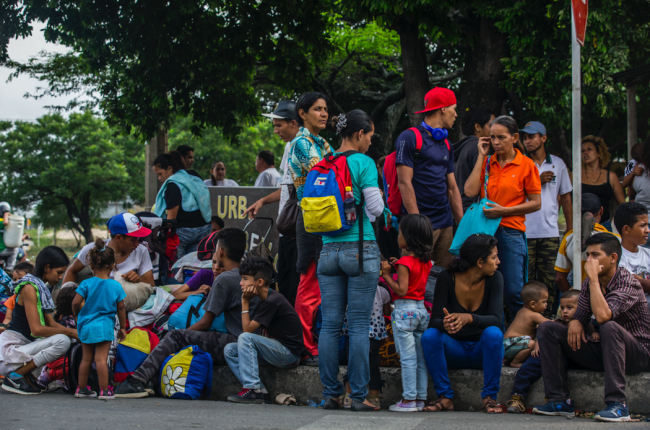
{"points": [[577, 162], [631, 118]]}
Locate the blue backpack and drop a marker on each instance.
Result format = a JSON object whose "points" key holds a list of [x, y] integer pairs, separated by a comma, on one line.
{"points": [[192, 311]]}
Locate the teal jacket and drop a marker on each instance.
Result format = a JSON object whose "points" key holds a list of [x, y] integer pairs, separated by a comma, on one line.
{"points": [[194, 193]]}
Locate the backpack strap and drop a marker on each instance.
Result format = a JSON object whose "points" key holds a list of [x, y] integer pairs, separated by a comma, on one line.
{"points": [[418, 142], [448, 147]]}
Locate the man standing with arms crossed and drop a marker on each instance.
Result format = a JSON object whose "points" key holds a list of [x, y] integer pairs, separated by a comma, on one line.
{"points": [[426, 181], [286, 127], [542, 231]]}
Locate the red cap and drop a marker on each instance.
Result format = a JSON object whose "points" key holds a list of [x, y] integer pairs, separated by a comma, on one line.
{"points": [[438, 98]]}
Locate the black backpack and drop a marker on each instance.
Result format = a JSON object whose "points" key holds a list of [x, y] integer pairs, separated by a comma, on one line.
{"points": [[71, 362]]}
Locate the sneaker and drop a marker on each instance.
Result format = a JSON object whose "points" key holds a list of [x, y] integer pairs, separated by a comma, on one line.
{"points": [[131, 388], [420, 405], [35, 383], [403, 406], [248, 396], [107, 394], [565, 408], [516, 404], [19, 385], [614, 412], [84, 392], [310, 361]]}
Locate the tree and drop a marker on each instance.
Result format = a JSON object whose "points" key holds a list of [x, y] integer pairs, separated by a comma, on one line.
{"points": [[78, 163], [158, 59], [239, 158]]}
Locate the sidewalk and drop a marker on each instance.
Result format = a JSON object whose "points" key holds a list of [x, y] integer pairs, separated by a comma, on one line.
{"points": [[304, 383]]}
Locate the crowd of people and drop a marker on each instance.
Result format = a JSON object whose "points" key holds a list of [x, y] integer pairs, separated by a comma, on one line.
{"points": [[511, 298]]}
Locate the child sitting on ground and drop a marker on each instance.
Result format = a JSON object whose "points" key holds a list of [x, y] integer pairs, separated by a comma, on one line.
{"points": [[531, 370], [380, 307], [284, 346], [518, 341], [54, 371], [410, 317], [104, 297]]}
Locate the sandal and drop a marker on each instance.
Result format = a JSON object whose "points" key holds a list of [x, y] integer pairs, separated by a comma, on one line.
{"points": [[437, 406], [490, 404]]}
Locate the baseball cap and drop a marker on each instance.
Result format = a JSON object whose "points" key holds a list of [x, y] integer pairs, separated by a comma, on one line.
{"points": [[286, 109], [534, 127], [590, 203], [438, 98], [128, 225]]}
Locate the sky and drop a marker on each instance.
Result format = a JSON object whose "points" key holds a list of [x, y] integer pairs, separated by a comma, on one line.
{"points": [[13, 104]]}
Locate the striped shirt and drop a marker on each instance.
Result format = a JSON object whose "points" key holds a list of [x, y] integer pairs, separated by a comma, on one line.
{"points": [[627, 302]]}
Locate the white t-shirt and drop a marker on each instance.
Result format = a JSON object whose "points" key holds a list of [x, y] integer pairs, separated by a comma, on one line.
{"points": [[268, 178], [637, 263], [139, 260], [224, 183], [543, 223], [286, 177]]}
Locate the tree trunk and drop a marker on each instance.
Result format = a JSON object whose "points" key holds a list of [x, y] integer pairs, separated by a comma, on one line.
{"points": [[559, 147], [483, 72], [382, 141], [54, 236], [414, 66]]}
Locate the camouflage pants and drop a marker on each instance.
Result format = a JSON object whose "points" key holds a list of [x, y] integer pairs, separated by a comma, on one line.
{"points": [[541, 263]]}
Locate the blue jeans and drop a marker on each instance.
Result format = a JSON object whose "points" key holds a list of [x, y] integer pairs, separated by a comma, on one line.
{"points": [[341, 287], [410, 320], [487, 354], [242, 358], [190, 237], [528, 373], [513, 254]]}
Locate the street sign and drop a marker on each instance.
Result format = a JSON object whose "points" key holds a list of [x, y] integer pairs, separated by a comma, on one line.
{"points": [[580, 12]]}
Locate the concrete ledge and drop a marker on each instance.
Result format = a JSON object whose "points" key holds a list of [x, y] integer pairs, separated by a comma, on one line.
{"points": [[303, 382]]}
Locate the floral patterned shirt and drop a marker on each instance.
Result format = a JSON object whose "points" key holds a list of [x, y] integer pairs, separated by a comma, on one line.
{"points": [[306, 151]]}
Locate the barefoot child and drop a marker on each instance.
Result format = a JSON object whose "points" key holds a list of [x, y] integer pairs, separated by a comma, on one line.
{"points": [[410, 317], [104, 297], [531, 370], [518, 341]]}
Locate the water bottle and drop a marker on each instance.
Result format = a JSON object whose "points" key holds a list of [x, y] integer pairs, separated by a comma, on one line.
{"points": [[349, 207]]}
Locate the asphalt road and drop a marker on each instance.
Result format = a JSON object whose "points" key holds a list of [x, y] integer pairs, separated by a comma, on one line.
{"points": [[54, 411]]}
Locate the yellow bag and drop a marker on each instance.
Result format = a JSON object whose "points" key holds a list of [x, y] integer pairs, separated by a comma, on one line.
{"points": [[321, 214]]}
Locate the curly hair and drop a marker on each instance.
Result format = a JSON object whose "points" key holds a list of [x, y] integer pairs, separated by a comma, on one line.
{"points": [[101, 256], [603, 154], [418, 235]]}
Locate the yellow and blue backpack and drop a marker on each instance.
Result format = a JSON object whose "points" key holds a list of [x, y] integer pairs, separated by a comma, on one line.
{"points": [[186, 374]]}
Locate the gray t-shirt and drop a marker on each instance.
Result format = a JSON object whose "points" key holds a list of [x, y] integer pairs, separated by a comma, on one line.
{"points": [[225, 296]]}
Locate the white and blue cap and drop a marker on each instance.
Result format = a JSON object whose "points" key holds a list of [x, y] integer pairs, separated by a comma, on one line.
{"points": [[534, 127], [128, 225]]}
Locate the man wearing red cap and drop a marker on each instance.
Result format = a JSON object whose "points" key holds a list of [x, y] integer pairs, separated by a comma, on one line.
{"points": [[426, 179]]}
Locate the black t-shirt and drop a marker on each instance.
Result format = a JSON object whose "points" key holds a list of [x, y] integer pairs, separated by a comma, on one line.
{"points": [[194, 173], [184, 219], [489, 313], [280, 319]]}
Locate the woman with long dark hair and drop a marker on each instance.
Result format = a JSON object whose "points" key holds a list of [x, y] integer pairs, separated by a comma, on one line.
{"points": [[33, 338], [218, 176], [307, 149], [514, 186], [186, 200], [342, 282], [464, 331]]}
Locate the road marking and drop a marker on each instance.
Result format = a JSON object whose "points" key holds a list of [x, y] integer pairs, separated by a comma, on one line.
{"points": [[350, 422]]}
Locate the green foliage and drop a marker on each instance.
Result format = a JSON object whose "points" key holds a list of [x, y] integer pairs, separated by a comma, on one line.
{"points": [[78, 164], [239, 158]]}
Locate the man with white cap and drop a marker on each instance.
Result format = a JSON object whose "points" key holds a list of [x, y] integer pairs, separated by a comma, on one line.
{"points": [[542, 230], [426, 178], [285, 126], [132, 259]]}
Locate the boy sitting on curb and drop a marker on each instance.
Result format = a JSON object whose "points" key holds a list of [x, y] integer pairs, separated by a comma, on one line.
{"points": [[518, 341], [531, 370], [277, 316]]}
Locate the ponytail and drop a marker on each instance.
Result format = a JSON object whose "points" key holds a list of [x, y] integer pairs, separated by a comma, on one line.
{"points": [[101, 256], [171, 159], [476, 247]]}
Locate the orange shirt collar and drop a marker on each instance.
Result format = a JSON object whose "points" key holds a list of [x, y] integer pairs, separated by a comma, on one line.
{"points": [[517, 160]]}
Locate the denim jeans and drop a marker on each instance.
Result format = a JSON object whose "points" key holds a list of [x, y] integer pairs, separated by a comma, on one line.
{"points": [[441, 352], [341, 288], [410, 320], [190, 237], [242, 358], [513, 254]]}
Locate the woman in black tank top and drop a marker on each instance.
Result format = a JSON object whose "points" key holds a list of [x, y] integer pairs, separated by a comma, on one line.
{"points": [[597, 179], [33, 338]]}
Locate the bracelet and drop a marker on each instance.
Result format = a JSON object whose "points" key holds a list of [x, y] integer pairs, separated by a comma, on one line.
{"points": [[244, 312]]}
